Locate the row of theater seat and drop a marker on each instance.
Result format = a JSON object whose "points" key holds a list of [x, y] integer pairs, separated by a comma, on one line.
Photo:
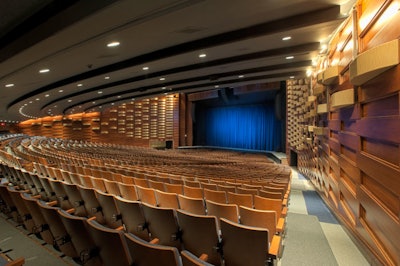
{"points": [[191, 200], [171, 229], [102, 199], [68, 195], [106, 181], [169, 162]]}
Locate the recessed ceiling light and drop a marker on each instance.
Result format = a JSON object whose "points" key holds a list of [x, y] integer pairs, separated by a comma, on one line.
{"points": [[69, 100], [145, 68], [286, 38], [107, 77], [47, 95], [216, 86], [202, 55], [113, 44], [79, 85], [240, 76], [45, 70], [164, 88], [112, 103], [292, 77], [37, 99], [99, 92], [162, 78], [60, 90], [9, 85], [94, 102], [119, 96], [290, 57]]}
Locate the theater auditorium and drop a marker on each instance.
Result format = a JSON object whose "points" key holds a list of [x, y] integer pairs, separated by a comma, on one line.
{"points": [[200, 132]]}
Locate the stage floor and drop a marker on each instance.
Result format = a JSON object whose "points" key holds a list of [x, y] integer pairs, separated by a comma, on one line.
{"points": [[278, 157]]}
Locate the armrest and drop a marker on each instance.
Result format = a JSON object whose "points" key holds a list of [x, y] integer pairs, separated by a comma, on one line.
{"points": [[51, 203], [275, 247], [284, 212], [280, 226], [155, 241], [120, 228], [284, 202], [71, 211], [16, 262], [203, 257]]}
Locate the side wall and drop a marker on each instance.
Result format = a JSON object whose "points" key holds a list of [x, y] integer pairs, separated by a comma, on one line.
{"points": [[149, 122], [346, 130]]}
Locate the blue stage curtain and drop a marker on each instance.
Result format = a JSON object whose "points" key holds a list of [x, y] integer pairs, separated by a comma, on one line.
{"points": [[252, 127]]}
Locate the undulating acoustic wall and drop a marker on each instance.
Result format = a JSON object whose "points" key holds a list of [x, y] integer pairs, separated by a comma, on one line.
{"points": [[344, 125], [151, 122]]}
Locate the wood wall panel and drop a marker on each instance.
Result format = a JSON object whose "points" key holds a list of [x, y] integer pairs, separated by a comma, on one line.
{"points": [[350, 168], [381, 86], [381, 227], [146, 122], [350, 140], [380, 128], [182, 120], [334, 146], [388, 106], [385, 151], [386, 174], [334, 124], [357, 164], [349, 204], [381, 194], [348, 153], [383, 16]]}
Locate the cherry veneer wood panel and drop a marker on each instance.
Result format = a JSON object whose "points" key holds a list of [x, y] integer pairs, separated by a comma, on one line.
{"points": [[385, 151], [382, 86], [382, 194], [350, 113], [350, 140], [334, 145], [387, 175], [388, 106], [349, 204], [348, 182], [350, 168], [384, 27], [182, 120], [356, 166], [382, 228], [348, 153], [335, 168], [334, 125], [203, 95], [380, 128]]}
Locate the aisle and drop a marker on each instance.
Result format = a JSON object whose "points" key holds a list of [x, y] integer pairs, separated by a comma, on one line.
{"points": [[314, 236], [35, 251]]}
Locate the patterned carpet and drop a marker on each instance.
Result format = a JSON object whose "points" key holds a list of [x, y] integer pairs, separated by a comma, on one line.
{"points": [[314, 236]]}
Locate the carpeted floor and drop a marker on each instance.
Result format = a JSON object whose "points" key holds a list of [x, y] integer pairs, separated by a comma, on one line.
{"points": [[35, 252], [314, 236], [305, 242]]}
